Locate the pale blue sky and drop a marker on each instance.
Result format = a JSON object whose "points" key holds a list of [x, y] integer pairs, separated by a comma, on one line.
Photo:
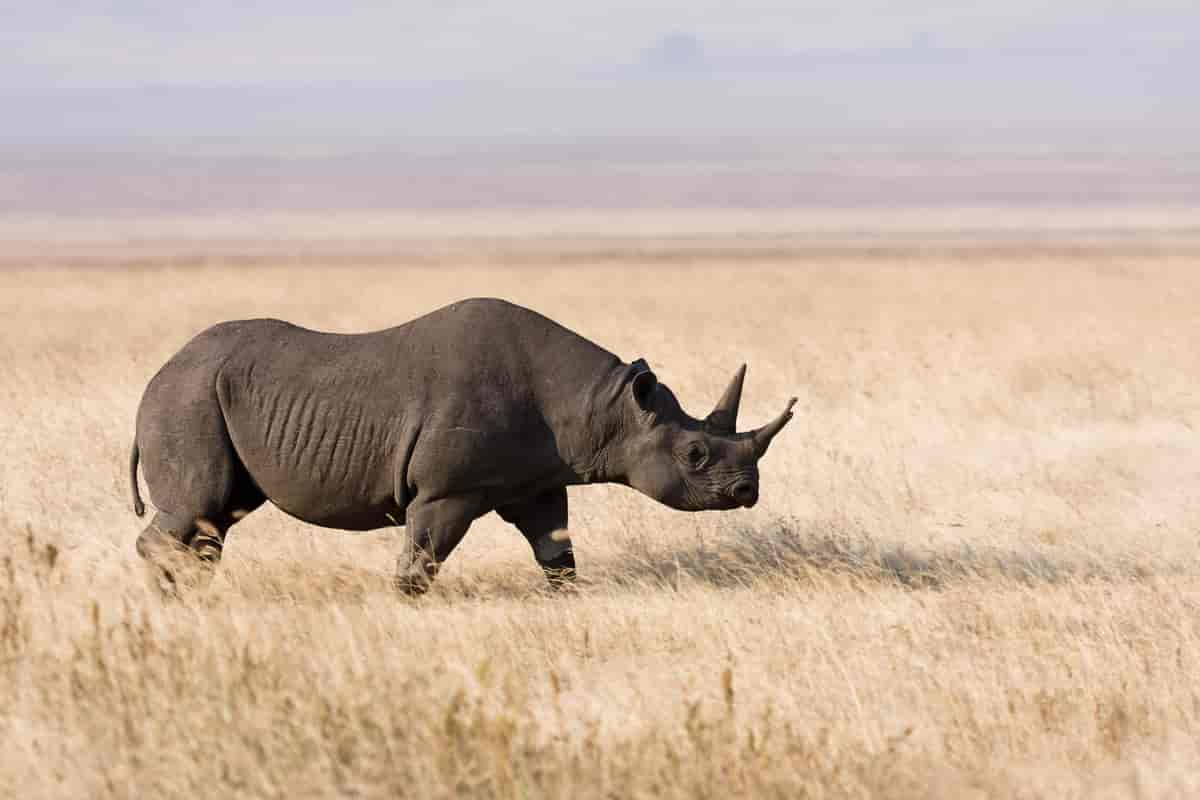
{"points": [[138, 43], [531, 66]]}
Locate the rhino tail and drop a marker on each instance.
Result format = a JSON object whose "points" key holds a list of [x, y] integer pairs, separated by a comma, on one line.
{"points": [[139, 507]]}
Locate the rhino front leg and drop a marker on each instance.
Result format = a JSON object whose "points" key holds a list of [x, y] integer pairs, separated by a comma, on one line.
{"points": [[543, 522], [434, 530]]}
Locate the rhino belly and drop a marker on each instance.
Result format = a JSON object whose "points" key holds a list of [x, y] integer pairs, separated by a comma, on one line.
{"points": [[360, 503], [348, 519], [318, 461]]}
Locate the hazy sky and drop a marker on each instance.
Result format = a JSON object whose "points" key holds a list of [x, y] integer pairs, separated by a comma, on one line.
{"points": [[529, 65], [217, 42]]}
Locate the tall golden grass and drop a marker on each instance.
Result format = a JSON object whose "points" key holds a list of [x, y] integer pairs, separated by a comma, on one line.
{"points": [[973, 570]]}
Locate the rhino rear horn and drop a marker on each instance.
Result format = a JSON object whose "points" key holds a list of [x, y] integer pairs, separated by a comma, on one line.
{"points": [[763, 436], [723, 419]]}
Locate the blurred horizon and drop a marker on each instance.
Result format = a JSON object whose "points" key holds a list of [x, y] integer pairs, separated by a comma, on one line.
{"points": [[134, 106]]}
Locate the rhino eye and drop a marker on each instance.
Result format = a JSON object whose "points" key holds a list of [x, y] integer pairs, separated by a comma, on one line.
{"points": [[696, 455]]}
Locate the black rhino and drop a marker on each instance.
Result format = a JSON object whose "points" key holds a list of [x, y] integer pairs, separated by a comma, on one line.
{"points": [[479, 406]]}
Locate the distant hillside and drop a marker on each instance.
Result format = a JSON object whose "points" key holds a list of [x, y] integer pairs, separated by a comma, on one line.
{"points": [[605, 172]]}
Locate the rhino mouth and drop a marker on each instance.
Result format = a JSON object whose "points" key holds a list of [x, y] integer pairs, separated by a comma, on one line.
{"points": [[724, 502], [745, 494], [737, 496]]}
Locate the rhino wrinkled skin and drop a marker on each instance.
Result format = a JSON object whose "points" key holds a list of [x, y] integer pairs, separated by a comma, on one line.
{"points": [[479, 406]]}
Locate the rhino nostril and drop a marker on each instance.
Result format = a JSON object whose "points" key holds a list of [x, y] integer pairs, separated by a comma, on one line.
{"points": [[745, 493]]}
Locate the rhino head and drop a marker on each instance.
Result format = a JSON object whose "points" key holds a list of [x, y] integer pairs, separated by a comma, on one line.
{"points": [[687, 463]]}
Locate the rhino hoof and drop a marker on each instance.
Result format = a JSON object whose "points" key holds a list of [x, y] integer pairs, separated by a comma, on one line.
{"points": [[413, 582]]}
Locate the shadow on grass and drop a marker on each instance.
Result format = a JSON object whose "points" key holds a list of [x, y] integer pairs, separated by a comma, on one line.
{"points": [[791, 552], [787, 551], [814, 551]]}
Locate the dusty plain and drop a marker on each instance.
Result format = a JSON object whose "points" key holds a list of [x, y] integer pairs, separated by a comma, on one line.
{"points": [[974, 570]]}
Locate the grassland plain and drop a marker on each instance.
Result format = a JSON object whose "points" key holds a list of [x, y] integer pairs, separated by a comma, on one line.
{"points": [[974, 570]]}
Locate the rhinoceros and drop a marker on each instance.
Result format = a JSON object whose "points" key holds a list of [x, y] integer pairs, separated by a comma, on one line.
{"points": [[479, 406]]}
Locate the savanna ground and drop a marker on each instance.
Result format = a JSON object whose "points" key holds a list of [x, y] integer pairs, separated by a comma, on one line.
{"points": [[973, 570]]}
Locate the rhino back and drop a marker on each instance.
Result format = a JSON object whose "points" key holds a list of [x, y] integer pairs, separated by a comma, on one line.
{"points": [[344, 429]]}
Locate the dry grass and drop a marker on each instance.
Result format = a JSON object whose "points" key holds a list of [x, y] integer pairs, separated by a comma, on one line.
{"points": [[973, 571]]}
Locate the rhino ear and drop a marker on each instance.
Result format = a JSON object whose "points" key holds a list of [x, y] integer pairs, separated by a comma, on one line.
{"points": [[643, 384]]}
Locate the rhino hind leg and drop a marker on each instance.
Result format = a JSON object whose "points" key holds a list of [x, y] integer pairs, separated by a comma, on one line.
{"points": [[186, 548], [183, 544], [180, 550], [543, 522], [163, 552]]}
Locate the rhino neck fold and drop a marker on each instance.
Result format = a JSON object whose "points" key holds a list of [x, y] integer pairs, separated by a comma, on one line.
{"points": [[587, 428]]}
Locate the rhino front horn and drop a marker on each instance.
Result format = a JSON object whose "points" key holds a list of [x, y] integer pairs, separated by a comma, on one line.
{"points": [[764, 435], [723, 418]]}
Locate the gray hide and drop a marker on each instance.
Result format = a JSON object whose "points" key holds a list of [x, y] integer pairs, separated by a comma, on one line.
{"points": [[479, 406]]}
